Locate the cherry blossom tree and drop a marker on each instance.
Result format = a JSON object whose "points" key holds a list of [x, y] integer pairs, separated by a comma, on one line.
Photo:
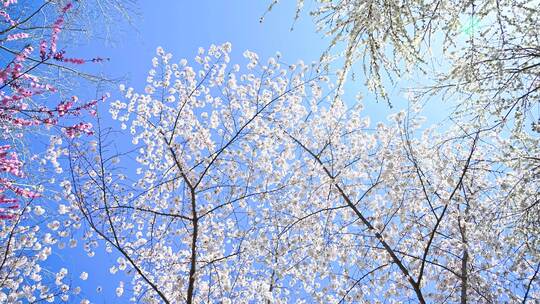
{"points": [[481, 56], [30, 109], [484, 54], [21, 108], [264, 182], [262, 186]]}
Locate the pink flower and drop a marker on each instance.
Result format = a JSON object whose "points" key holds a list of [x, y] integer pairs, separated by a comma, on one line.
{"points": [[10, 163], [67, 7], [7, 18], [64, 107], [23, 55], [17, 36], [43, 49], [18, 113], [26, 193], [55, 31], [9, 2], [82, 127]]}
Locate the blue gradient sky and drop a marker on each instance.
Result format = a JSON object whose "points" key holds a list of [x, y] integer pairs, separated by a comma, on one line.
{"points": [[180, 27]]}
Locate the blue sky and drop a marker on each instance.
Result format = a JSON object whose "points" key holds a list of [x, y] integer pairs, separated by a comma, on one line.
{"points": [[181, 27]]}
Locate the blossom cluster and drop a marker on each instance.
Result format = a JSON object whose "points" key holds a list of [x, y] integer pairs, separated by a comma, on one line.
{"points": [[253, 178], [20, 109], [30, 106]]}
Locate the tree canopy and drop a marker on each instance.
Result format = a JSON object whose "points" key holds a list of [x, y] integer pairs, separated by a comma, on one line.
{"points": [[260, 181]]}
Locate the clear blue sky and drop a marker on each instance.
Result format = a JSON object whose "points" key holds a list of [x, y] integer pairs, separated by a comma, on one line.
{"points": [[180, 27]]}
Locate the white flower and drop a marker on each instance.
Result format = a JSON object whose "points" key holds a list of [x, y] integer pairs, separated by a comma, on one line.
{"points": [[121, 263], [62, 209], [113, 269], [84, 276], [38, 210], [227, 47], [54, 225], [120, 289], [160, 51]]}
